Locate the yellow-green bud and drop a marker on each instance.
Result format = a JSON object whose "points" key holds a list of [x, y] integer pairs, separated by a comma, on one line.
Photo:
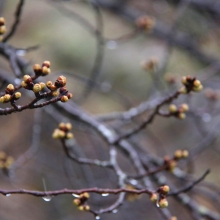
{"points": [[7, 97], [165, 189], [46, 63], [81, 208], [2, 21], [184, 80], [42, 85], [181, 115], [197, 83], [2, 29], [55, 93], [178, 154], [68, 126], [69, 135], [24, 84], [77, 202], [172, 108], [198, 89], [185, 153], [45, 70], [86, 207], [37, 88], [2, 99], [183, 108], [163, 203], [10, 87], [154, 197], [17, 95], [64, 98], [183, 90], [26, 78]]}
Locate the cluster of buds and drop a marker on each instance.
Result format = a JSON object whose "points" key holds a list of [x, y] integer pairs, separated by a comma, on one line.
{"points": [[80, 202], [180, 111], [5, 161], [2, 27], [28, 83], [212, 94], [190, 84], [146, 23], [59, 84], [63, 131], [150, 64], [159, 197], [10, 94], [171, 163], [42, 70]]}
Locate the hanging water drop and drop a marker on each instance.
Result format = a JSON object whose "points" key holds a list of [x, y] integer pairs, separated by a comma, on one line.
{"points": [[8, 194], [115, 211], [133, 182], [111, 44], [47, 198], [97, 217], [105, 194], [75, 195], [157, 204]]}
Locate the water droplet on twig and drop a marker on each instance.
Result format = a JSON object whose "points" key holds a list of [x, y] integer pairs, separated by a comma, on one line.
{"points": [[47, 198], [8, 195], [105, 194], [97, 217], [115, 211], [75, 195]]}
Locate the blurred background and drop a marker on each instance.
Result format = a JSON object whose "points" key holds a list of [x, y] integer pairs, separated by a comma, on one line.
{"points": [[97, 46]]}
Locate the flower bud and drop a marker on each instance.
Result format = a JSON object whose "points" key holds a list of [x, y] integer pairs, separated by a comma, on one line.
{"points": [[2, 99], [37, 88], [164, 189], [69, 135], [163, 203], [2, 29], [27, 78], [68, 126], [64, 98], [77, 202], [185, 153], [45, 70], [7, 97], [183, 90], [183, 108], [61, 81], [55, 93], [178, 154], [181, 116], [2, 21], [10, 87], [37, 69], [46, 63], [172, 108], [17, 95], [154, 197]]}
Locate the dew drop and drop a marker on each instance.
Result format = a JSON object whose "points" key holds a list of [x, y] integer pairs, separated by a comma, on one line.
{"points": [[75, 195], [112, 45], [105, 194], [97, 217], [157, 204], [47, 198], [134, 182], [115, 211], [8, 194]]}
